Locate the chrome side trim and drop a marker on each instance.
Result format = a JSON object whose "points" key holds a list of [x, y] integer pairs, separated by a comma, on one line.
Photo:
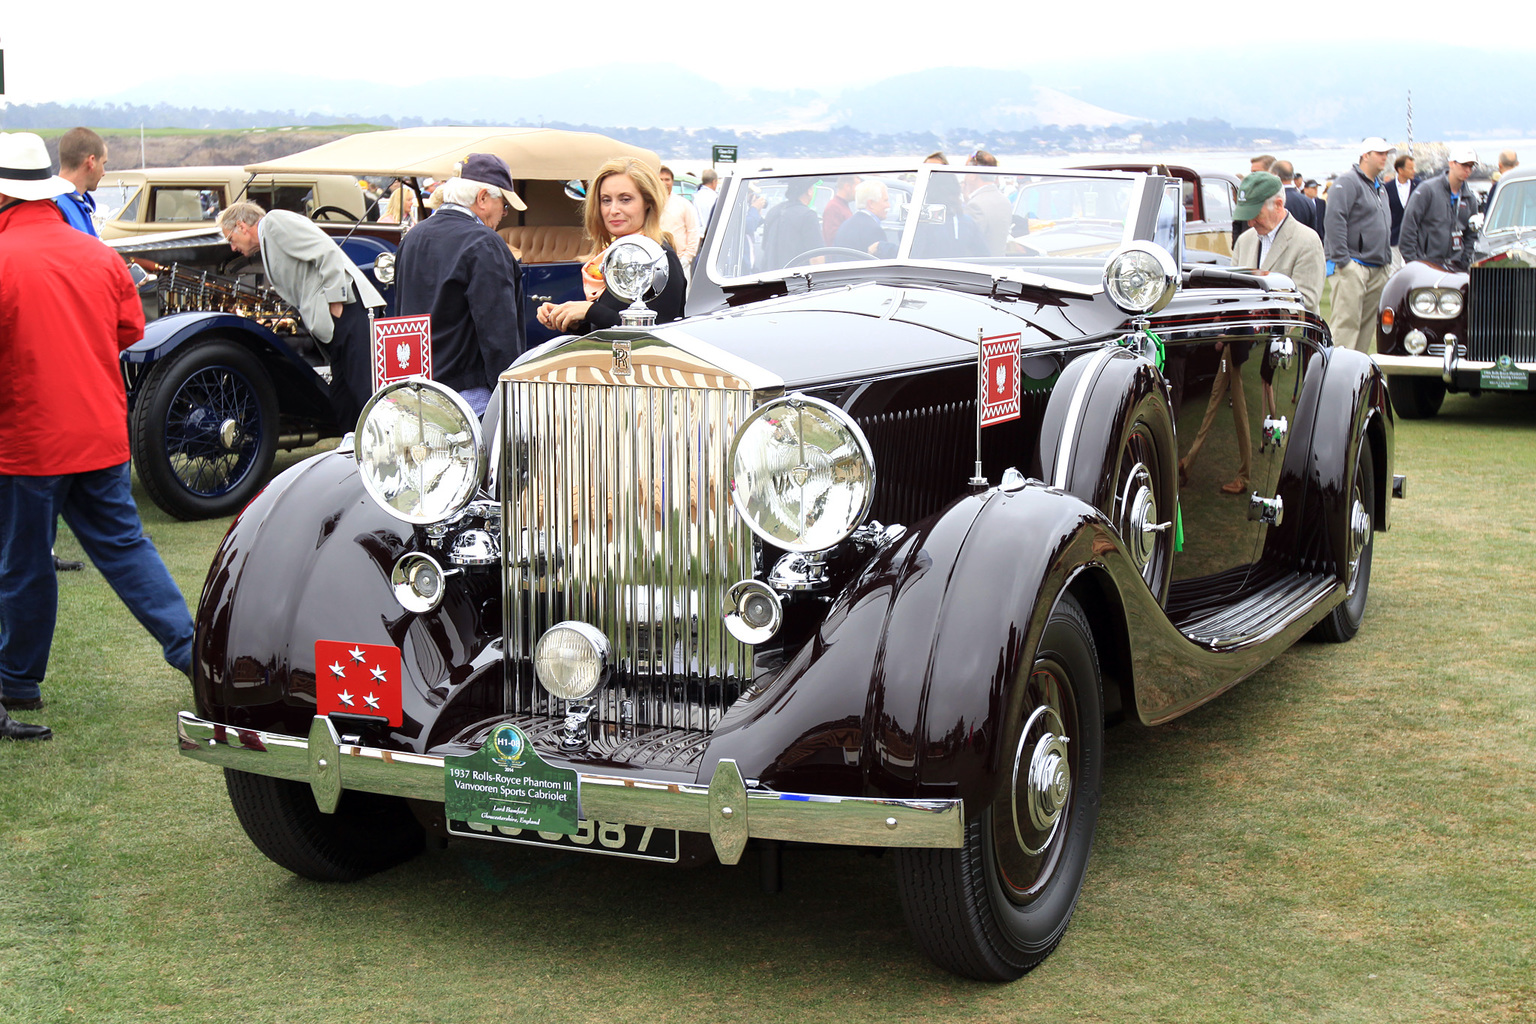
{"points": [[1075, 414], [766, 814]]}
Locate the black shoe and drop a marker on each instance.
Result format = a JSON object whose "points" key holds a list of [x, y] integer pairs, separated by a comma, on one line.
{"points": [[10, 729], [20, 704], [65, 565]]}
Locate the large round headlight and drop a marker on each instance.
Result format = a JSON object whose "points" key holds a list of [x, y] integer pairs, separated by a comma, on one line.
{"points": [[1140, 277], [1424, 301], [419, 451], [635, 266], [802, 474], [1450, 303]]}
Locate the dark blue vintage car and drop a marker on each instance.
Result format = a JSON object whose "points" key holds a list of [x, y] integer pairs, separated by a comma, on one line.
{"points": [[226, 375], [868, 550]]}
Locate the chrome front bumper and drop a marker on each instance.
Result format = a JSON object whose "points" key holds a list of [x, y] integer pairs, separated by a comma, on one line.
{"points": [[726, 809]]}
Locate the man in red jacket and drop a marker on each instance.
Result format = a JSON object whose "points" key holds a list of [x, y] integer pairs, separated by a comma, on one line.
{"points": [[67, 308]]}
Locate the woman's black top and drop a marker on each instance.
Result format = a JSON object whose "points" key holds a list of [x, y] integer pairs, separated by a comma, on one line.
{"points": [[667, 306]]}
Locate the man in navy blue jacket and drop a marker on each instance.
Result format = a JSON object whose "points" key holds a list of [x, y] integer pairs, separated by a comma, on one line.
{"points": [[455, 267], [1399, 190]]}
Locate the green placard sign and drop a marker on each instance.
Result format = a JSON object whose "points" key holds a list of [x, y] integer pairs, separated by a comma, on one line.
{"points": [[507, 784], [723, 154], [1505, 376]]}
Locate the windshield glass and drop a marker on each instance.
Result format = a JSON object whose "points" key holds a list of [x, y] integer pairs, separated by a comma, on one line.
{"points": [[112, 198], [783, 222], [1514, 206]]}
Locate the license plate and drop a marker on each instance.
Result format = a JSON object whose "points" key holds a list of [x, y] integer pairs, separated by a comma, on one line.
{"points": [[642, 842], [1499, 379]]}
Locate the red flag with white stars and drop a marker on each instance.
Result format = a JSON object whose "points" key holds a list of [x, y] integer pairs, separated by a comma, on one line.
{"points": [[358, 679], [1000, 378]]}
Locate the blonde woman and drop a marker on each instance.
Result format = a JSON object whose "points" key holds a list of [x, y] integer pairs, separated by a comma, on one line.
{"points": [[625, 198]]}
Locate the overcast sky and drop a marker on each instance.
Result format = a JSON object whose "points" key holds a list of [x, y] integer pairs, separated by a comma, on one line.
{"points": [[92, 50]]}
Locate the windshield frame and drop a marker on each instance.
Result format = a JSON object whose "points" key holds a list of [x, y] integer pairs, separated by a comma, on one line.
{"points": [[1009, 266]]}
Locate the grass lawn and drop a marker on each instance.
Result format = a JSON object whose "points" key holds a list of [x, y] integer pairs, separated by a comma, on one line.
{"points": [[1346, 837]]}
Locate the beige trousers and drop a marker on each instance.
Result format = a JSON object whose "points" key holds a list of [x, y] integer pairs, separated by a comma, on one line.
{"points": [[1229, 377], [1356, 296]]}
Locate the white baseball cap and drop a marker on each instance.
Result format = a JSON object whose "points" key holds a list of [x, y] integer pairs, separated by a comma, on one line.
{"points": [[1375, 144], [1463, 155]]}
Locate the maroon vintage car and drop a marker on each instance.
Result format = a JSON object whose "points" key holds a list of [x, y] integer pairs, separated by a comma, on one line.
{"points": [[869, 550]]}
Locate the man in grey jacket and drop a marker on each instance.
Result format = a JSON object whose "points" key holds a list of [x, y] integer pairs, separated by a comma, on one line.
{"points": [[309, 270], [1435, 220], [1357, 241]]}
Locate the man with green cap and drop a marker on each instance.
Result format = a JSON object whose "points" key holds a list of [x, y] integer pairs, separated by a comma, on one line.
{"points": [[1275, 241]]}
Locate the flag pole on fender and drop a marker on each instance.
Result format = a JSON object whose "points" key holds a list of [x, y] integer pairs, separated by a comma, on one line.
{"points": [[978, 480]]}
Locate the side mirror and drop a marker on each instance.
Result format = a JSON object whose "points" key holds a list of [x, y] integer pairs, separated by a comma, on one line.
{"points": [[576, 189]]}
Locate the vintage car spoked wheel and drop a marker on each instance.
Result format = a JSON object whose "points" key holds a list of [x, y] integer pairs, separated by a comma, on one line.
{"points": [[995, 908], [1416, 398], [1145, 508], [367, 834], [204, 430], [1344, 621]]}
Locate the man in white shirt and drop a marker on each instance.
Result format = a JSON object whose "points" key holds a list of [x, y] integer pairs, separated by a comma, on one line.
{"points": [[704, 198], [681, 220]]}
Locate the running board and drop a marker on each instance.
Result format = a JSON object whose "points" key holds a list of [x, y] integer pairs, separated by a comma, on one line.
{"points": [[1262, 613]]}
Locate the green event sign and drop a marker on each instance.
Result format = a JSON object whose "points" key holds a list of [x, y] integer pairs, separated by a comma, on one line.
{"points": [[507, 784], [722, 154]]}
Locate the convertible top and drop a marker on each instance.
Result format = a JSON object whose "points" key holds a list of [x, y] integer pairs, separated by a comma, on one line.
{"points": [[544, 153]]}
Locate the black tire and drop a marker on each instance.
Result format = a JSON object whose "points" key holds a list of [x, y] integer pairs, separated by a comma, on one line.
{"points": [[1416, 398], [367, 834], [1344, 621], [1144, 504], [204, 429], [997, 907]]}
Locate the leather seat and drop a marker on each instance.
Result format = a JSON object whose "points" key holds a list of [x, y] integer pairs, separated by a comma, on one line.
{"points": [[545, 243]]}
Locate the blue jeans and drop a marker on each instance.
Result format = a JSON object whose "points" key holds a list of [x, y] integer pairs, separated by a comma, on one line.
{"points": [[98, 506]]}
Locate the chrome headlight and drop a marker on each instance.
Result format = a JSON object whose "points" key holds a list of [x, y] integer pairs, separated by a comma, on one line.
{"points": [[1424, 301], [1140, 277], [419, 451], [1415, 343], [571, 659], [1449, 304], [635, 266], [802, 474], [384, 268]]}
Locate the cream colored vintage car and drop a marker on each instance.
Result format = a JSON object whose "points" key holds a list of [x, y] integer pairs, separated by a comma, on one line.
{"points": [[156, 199]]}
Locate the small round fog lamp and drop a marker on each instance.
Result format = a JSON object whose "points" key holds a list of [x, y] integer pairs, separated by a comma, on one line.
{"points": [[1415, 342], [417, 581], [571, 659], [753, 611]]}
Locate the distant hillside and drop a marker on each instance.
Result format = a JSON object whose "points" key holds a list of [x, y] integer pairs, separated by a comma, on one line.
{"points": [[1319, 91]]}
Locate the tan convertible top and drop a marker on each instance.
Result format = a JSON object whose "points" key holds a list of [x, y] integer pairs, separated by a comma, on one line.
{"points": [[543, 153]]}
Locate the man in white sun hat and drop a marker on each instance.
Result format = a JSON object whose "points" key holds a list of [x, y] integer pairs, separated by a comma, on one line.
{"points": [[67, 309], [1357, 240]]}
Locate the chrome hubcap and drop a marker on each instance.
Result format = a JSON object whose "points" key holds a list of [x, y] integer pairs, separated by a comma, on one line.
{"points": [[230, 434], [1047, 783], [1359, 537]]}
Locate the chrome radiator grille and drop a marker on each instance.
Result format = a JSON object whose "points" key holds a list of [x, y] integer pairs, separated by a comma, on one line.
{"points": [[1501, 314], [617, 512]]}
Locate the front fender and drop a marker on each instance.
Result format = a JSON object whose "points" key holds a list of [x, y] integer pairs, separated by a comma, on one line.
{"points": [[310, 559], [300, 391], [901, 692]]}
